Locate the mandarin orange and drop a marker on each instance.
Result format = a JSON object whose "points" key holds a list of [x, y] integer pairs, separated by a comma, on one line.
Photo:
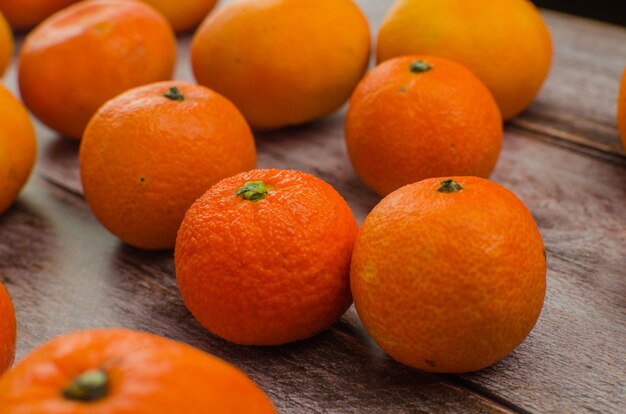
{"points": [[117, 371], [183, 15], [449, 275], [263, 257], [26, 14], [621, 110], [7, 331], [91, 52], [18, 147], [417, 117], [149, 153], [6, 45], [283, 62]]}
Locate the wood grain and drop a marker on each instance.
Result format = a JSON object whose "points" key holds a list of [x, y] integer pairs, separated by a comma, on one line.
{"points": [[578, 102], [66, 272]]}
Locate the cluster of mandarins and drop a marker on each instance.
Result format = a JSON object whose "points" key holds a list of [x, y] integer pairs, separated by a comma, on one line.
{"points": [[447, 273]]}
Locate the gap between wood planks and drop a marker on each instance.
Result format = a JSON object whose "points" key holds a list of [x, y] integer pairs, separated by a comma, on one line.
{"points": [[486, 394], [566, 139]]}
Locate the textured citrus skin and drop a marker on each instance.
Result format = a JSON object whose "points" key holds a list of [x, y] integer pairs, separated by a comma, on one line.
{"points": [[403, 127], [449, 282], [621, 110], [505, 43], [7, 330], [145, 158], [25, 14], [271, 271], [91, 52], [6, 45], [147, 375], [283, 62], [183, 15], [17, 147]]}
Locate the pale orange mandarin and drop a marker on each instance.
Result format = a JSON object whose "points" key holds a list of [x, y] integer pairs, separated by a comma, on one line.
{"points": [[505, 43], [283, 62]]}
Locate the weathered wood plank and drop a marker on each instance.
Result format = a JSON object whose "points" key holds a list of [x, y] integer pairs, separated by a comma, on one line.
{"points": [[65, 272], [578, 102]]}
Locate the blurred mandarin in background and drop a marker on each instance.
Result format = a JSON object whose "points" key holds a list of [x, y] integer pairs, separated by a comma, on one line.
{"points": [[90, 52]]}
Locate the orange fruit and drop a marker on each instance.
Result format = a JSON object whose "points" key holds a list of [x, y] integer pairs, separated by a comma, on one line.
{"points": [[149, 153], [18, 147], [7, 331], [25, 14], [183, 15], [417, 117], [505, 43], [621, 110], [91, 52], [449, 275], [6, 45], [117, 371], [263, 257], [283, 62]]}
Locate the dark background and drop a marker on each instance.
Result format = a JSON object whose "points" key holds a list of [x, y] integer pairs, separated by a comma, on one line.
{"points": [[613, 11]]}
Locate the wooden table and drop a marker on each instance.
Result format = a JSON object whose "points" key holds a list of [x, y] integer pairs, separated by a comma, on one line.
{"points": [[562, 158]]}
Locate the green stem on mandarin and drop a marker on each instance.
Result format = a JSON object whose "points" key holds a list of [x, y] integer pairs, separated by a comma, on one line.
{"points": [[420, 66], [174, 94], [253, 191], [89, 386], [449, 186]]}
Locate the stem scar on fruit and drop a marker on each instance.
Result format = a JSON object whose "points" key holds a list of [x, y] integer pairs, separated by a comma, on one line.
{"points": [[174, 94], [420, 66], [253, 191], [450, 186], [92, 385]]}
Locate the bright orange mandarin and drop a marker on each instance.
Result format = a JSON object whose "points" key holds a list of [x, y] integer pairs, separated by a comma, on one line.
{"points": [[91, 52], [505, 43], [6, 45], [263, 258], [621, 110], [418, 117], [117, 371], [18, 147], [449, 276], [25, 14], [283, 62], [7, 331], [149, 153], [183, 15]]}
